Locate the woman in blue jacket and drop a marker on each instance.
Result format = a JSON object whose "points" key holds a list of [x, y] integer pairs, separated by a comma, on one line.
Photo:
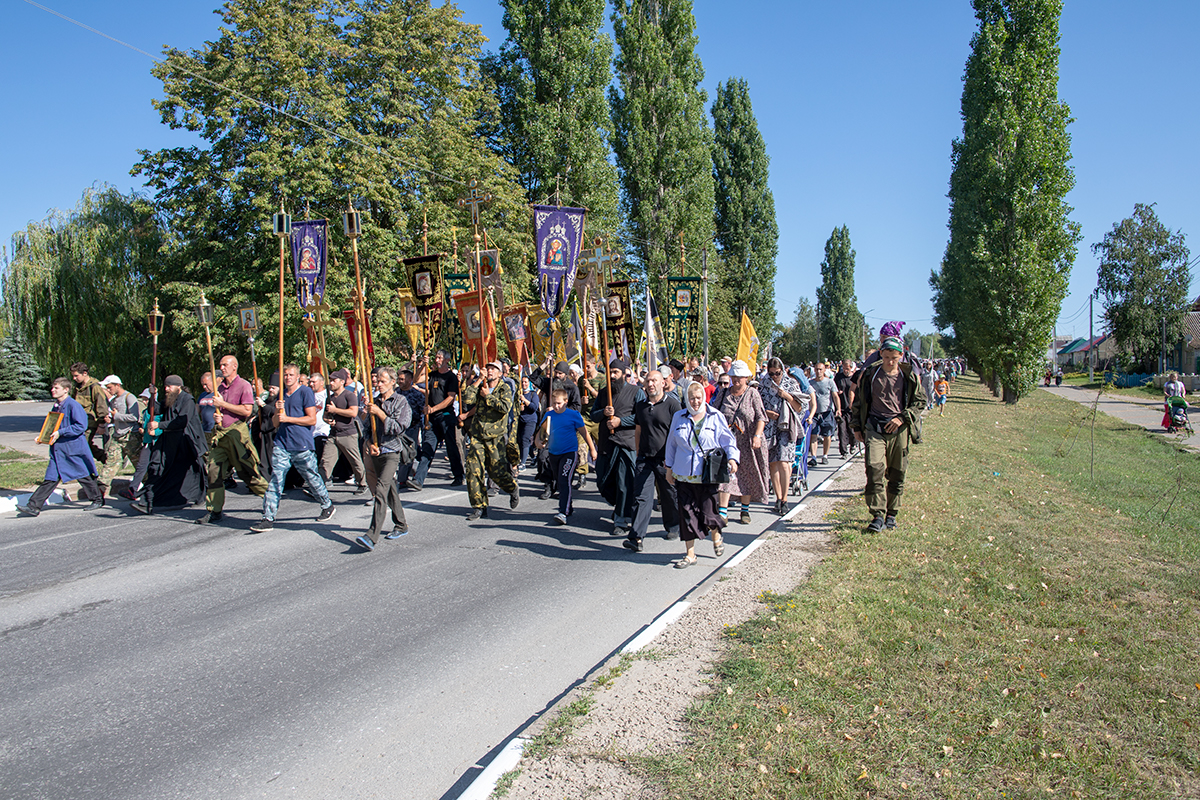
{"points": [[70, 456]]}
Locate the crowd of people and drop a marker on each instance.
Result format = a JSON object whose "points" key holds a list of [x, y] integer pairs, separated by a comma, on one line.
{"points": [[702, 443]]}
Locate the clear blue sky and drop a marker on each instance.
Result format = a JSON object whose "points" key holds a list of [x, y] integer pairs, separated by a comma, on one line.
{"points": [[858, 102]]}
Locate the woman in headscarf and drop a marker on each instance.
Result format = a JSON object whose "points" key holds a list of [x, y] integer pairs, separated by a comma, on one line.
{"points": [[743, 410], [783, 427], [695, 429]]}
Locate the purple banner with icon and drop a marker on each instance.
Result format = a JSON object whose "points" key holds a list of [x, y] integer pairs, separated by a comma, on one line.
{"points": [[558, 234], [310, 252]]}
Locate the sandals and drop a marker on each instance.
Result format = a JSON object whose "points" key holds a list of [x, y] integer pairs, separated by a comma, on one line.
{"points": [[684, 563], [719, 548]]}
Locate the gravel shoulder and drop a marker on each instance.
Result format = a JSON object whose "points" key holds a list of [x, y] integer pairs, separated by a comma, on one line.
{"points": [[642, 711]]}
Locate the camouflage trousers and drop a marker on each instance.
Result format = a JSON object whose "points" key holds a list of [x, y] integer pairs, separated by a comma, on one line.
{"points": [[487, 458], [886, 463], [117, 449], [229, 449]]}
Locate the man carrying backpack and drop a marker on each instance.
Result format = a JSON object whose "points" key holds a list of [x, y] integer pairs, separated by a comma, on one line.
{"points": [[886, 416]]}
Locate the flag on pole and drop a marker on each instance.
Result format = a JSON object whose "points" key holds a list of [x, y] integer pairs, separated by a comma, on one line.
{"points": [[748, 344], [656, 343]]}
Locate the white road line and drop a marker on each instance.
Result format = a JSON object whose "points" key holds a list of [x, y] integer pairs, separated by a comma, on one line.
{"points": [[430, 501], [742, 555], [481, 788], [796, 509], [655, 628]]}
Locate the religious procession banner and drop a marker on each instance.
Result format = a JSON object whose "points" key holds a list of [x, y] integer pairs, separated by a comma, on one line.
{"points": [[489, 270], [516, 333], [748, 344], [683, 315], [558, 233], [457, 283], [617, 314], [359, 338], [431, 324], [656, 346], [425, 279], [310, 253], [479, 332], [545, 336], [412, 318]]}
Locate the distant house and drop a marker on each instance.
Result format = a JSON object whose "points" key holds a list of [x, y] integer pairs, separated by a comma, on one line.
{"points": [[1075, 354], [1191, 341]]}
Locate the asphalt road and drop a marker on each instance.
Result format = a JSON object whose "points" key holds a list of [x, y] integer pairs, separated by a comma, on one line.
{"points": [[154, 658]]}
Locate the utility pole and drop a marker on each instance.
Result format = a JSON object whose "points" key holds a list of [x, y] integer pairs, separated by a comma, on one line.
{"points": [[1091, 350]]}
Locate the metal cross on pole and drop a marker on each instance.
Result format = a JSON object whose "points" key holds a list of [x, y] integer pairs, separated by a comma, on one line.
{"points": [[475, 198]]}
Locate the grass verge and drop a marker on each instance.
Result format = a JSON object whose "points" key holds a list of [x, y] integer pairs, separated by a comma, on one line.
{"points": [[1026, 631], [19, 470]]}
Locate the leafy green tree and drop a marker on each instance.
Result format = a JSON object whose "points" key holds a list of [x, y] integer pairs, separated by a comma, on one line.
{"points": [[798, 343], [76, 286], [1011, 247], [840, 320], [551, 74], [662, 140], [746, 231], [1144, 276], [377, 102]]}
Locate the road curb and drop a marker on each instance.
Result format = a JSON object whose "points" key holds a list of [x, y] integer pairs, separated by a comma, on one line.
{"points": [[10, 503]]}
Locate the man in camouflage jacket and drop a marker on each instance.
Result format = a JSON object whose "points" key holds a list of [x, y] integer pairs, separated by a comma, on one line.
{"points": [[487, 403]]}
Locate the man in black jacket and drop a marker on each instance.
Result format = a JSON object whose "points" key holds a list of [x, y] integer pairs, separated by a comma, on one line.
{"points": [[615, 464], [176, 475]]}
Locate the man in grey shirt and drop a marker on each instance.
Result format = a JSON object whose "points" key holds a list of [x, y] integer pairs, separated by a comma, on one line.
{"points": [[828, 408], [123, 435]]}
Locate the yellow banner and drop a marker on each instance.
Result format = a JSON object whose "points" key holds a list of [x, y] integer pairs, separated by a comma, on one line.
{"points": [[748, 344]]}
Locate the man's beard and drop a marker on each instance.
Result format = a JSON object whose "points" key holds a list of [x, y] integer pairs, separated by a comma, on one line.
{"points": [[171, 398]]}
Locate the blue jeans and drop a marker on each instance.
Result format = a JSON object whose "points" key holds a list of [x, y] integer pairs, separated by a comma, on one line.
{"points": [[305, 462], [443, 428]]}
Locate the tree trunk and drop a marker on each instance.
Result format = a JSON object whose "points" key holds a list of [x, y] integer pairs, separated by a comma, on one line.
{"points": [[1010, 395]]}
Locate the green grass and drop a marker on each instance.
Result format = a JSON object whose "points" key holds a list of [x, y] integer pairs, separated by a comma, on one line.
{"points": [[1027, 631], [20, 470]]}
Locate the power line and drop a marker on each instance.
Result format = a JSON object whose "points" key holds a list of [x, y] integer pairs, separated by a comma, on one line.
{"points": [[315, 125]]}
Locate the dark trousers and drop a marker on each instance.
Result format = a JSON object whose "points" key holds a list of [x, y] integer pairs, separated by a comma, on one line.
{"points": [[562, 466], [526, 427], [442, 429], [648, 475], [386, 495], [845, 435], [88, 486]]}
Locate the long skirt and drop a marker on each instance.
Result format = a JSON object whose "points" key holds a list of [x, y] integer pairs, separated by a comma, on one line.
{"points": [[697, 509], [752, 475]]}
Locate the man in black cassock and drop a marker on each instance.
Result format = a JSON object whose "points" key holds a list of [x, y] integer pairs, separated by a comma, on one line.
{"points": [[615, 464], [176, 476]]}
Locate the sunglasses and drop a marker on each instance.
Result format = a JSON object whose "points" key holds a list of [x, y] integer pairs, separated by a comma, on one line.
{"points": [[775, 373], [723, 383]]}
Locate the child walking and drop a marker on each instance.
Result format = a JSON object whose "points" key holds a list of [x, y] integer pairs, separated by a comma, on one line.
{"points": [[560, 429], [941, 388]]}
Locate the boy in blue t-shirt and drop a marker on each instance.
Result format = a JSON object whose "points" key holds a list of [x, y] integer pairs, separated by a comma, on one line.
{"points": [[560, 428]]}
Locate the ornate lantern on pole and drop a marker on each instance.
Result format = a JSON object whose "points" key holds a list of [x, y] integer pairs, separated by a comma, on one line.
{"points": [[283, 229], [154, 321], [204, 312]]}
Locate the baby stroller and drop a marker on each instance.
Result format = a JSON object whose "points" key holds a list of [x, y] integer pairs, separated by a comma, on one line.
{"points": [[1176, 418], [799, 482]]}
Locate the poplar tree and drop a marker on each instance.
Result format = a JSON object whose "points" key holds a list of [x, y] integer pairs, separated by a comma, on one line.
{"points": [[662, 138], [1011, 247], [839, 317], [747, 234], [551, 74]]}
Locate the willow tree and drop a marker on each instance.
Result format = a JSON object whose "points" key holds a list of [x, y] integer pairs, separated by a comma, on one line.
{"points": [[1005, 270], [75, 288]]}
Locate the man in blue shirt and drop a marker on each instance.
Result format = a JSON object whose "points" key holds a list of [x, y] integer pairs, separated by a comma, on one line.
{"points": [[296, 414]]}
